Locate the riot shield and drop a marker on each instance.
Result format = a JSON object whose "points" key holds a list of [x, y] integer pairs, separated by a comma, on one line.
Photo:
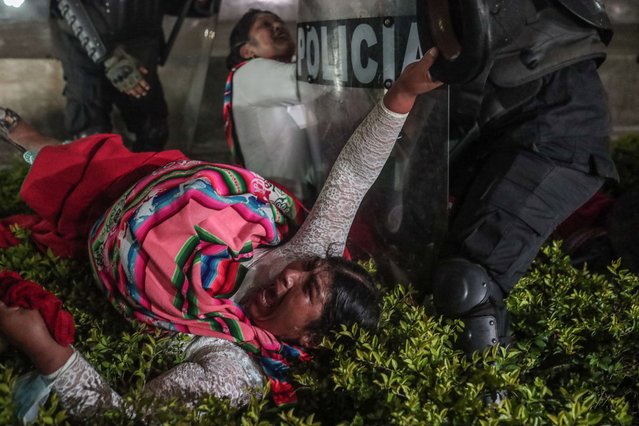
{"points": [[184, 75], [349, 53]]}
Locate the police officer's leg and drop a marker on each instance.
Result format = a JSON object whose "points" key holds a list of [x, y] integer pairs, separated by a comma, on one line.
{"points": [[88, 100], [463, 289], [146, 117], [516, 201]]}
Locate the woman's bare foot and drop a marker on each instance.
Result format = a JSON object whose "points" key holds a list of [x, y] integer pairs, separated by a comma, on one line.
{"points": [[20, 134]]}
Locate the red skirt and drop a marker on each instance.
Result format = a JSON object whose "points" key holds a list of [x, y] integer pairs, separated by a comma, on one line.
{"points": [[70, 186]]}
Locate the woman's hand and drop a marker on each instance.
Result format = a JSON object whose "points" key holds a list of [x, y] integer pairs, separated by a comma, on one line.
{"points": [[414, 80], [25, 329]]}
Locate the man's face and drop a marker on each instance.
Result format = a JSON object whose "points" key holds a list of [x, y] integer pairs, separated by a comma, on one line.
{"points": [[269, 38], [294, 300]]}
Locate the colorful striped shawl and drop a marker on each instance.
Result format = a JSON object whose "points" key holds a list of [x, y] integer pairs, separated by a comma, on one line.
{"points": [[169, 254], [227, 112]]}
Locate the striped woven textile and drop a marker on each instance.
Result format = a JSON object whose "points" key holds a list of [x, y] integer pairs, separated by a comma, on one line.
{"points": [[227, 113], [169, 253]]}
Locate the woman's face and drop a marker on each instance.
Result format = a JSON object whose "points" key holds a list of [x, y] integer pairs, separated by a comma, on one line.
{"points": [[294, 299], [269, 38]]}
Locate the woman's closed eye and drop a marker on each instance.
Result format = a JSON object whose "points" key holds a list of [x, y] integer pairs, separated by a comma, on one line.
{"points": [[268, 23], [312, 288]]}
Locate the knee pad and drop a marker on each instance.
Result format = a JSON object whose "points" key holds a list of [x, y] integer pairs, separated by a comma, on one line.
{"points": [[464, 290]]}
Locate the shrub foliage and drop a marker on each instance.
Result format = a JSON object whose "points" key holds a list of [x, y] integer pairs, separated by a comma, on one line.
{"points": [[575, 359], [626, 157]]}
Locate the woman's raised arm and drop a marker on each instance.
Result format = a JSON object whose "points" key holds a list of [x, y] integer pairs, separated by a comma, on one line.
{"points": [[359, 165]]}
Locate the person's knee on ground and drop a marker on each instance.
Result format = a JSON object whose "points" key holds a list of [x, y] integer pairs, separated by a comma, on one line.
{"points": [[464, 290]]}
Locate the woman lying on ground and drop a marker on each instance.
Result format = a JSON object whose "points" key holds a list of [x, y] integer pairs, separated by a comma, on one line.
{"points": [[176, 251]]}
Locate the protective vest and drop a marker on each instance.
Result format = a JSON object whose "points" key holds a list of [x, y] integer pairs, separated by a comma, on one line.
{"points": [[550, 38], [528, 39]]}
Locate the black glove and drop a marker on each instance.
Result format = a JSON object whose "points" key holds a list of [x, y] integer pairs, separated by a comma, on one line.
{"points": [[123, 70]]}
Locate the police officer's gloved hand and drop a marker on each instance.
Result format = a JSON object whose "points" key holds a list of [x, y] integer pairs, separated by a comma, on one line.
{"points": [[123, 70]]}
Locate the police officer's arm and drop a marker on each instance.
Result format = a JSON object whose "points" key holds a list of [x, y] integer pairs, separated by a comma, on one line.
{"points": [[122, 69], [126, 73]]}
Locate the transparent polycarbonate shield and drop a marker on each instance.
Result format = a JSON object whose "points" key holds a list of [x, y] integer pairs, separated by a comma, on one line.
{"points": [[184, 75], [349, 53]]}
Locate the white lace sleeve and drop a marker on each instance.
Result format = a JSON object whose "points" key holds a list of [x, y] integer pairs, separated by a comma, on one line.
{"points": [[214, 367], [353, 173], [83, 392]]}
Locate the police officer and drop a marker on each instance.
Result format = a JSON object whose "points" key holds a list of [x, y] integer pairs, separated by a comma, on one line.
{"points": [[109, 51], [529, 145]]}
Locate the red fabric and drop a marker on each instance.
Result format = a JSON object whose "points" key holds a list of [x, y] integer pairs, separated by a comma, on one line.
{"points": [[14, 291], [283, 393], [7, 239], [592, 214], [70, 186]]}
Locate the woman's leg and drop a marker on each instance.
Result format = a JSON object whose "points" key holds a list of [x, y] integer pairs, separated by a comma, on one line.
{"points": [[15, 131]]}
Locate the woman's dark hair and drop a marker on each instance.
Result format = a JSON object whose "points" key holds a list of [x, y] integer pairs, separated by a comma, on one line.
{"points": [[240, 35], [353, 299]]}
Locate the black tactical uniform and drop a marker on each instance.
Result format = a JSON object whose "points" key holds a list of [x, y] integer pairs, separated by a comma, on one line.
{"points": [[135, 25], [530, 145]]}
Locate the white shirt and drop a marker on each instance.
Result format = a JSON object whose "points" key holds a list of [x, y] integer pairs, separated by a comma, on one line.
{"points": [[270, 124]]}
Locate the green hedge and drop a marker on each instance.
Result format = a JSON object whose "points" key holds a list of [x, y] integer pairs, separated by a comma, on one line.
{"points": [[576, 359], [626, 157]]}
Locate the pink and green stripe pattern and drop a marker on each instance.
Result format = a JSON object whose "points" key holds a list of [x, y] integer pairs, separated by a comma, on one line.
{"points": [[169, 252]]}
